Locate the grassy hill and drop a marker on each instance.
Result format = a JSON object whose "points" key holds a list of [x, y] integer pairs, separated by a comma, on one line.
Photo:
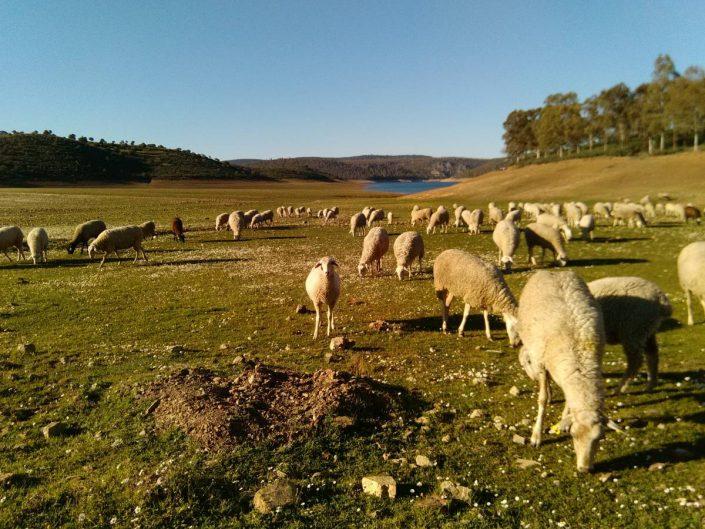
{"points": [[681, 175], [45, 158]]}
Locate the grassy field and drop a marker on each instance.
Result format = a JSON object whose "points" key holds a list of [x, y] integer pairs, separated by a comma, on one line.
{"points": [[101, 335]]}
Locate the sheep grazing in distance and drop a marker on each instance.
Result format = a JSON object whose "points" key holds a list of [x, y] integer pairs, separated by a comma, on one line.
{"points": [[563, 338], [289, 211], [547, 238], [38, 242], [115, 239], [514, 215], [473, 219], [149, 229], [572, 213], [458, 211], [221, 222], [440, 219], [506, 237], [281, 211], [249, 214], [633, 310], [692, 213], [329, 215], [267, 216], [366, 212], [532, 210], [323, 288], [494, 213], [587, 226], [390, 218], [236, 222], [374, 246], [602, 210], [257, 221], [479, 285], [549, 219], [691, 275], [376, 216], [12, 237], [408, 247], [357, 224], [83, 234], [631, 213], [420, 215], [177, 229]]}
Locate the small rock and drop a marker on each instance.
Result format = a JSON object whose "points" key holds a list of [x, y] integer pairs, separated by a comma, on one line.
{"points": [[53, 429], [456, 492], [605, 476], [380, 486], [280, 493], [27, 348], [343, 421], [661, 426], [239, 359], [340, 343], [657, 466], [526, 463], [518, 439], [423, 461], [514, 391], [423, 420], [379, 325], [331, 358], [224, 347], [477, 414], [446, 438], [175, 349]]}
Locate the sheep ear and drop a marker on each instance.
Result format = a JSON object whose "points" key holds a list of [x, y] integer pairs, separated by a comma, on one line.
{"points": [[334, 263], [318, 265]]}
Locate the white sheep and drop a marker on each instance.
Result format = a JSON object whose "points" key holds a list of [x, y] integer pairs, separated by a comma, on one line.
{"points": [[374, 246], [563, 338], [572, 213], [329, 215], [357, 224], [458, 211], [439, 219], [602, 210], [479, 285], [12, 237], [83, 234], [115, 239], [420, 215], [547, 238], [377, 216], [631, 213], [587, 226], [390, 218], [38, 242], [408, 247], [494, 213], [257, 221], [473, 219], [633, 310], [549, 219], [514, 215], [221, 222], [251, 213], [691, 275], [506, 237], [236, 222], [323, 287]]}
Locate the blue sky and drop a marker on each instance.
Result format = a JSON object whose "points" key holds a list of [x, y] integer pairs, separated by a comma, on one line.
{"points": [[270, 79]]}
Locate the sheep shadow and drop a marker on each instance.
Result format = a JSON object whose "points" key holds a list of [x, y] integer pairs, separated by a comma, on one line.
{"points": [[179, 262], [475, 323], [617, 240], [606, 261], [676, 452], [52, 263], [277, 237]]}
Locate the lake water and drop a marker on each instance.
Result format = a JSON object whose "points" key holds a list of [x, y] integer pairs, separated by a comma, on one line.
{"points": [[406, 187]]}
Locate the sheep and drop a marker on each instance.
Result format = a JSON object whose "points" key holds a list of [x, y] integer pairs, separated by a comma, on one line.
{"points": [[366, 212], [335, 210], [149, 229], [677, 211], [582, 206], [479, 284], [249, 214], [84, 233], [281, 211], [563, 338], [114, 239], [691, 274], [390, 218], [572, 213], [357, 224], [549, 219], [267, 216], [177, 229], [630, 213], [236, 221], [633, 310], [514, 215], [533, 210], [323, 288], [221, 222], [440, 218], [511, 206], [374, 246], [330, 215], [506, 237], [458, 211], [547, 238], [554, 209], [602, 210], [587, 226], [473, 219], [12, 237], [38, 242], [407, 247], [376, 215], [257, 221], [289, 211], [494, 214], [309, 213], [691, 212], [419, 215]]}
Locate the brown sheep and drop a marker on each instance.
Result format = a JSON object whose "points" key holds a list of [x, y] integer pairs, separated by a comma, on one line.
{"points": [[177, 229]]}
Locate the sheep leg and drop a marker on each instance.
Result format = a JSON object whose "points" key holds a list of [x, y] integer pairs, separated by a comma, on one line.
{"points": [[566, 420], [652, 361], [318, 321], [537, 432], [466, 313], [6, 255], [688, 303], [20, 253], [445, 298], [488, 333], [330, 321], [532, 261], [634, 360], [103, 260]]}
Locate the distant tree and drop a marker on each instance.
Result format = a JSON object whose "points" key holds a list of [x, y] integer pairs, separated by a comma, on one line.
{"points": [[686, 105], [519, 135], [83, 139], [72, 136]]}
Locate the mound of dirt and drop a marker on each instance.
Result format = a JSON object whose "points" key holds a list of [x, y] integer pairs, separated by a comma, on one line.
{"points": [[265, 403]]}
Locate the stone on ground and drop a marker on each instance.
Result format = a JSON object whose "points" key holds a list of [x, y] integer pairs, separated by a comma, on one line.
{"points": [[277, 494], [380, 486]]}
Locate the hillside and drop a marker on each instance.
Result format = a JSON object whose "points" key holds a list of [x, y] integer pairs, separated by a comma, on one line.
{"points": [[45, 158], [373, 167], [682, 175]]}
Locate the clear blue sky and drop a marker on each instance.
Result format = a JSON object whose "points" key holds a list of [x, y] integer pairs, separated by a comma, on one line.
{"points": [[292, 78]]}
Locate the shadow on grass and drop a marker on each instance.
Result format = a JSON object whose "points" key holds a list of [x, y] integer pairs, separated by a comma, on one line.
{"points": [[196, 261], [606, 261], [616, 240], [677, 452], [433, 323]]}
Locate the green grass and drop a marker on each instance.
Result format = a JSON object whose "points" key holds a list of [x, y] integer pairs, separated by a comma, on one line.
{"points": [[102, 334]]}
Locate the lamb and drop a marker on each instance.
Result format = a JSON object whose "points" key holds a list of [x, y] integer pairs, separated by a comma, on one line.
{"points": [[177, 229], [419, 215], [221, 222], [458, 211], [633, 310], [38, 242], [479, 284], [149, 229], [12, 237], [691, 274], [323, 287], [557, 222], [506, 237], [563, 338], [357, 224], [547, 238], [236, 221], [114, 239], [441, 219], [374, 246], [83, 234], [390, 218], [587, 226], [473, 219], [494, 214], [407, 247], [376, 215]]}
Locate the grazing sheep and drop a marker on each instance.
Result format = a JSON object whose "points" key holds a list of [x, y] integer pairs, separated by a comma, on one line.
{"points": [[251, 213], [12, 237], [473, 219], [236, 222], [221, 222], [630, 213], [602, 210], [281, 211], [506, 237], [572, 213], [267, 216], [407, 247], [494, 213], [480, 285], [563, 338], [366, 212], [458, 211], [149, 229], [547, 238], [633, 310], [554, 209], [420, 215], [692, 213], [376, 215], [323, 287], [514, 215], [257, 221], [691, 274], [357, 224], [587, 226], [38, 242], [289, 211], [83, 234], [390, 218], [329, 215], [549, 219], [177, 229], [532, 209], [441, 219], [374, 246], [114, 239]]}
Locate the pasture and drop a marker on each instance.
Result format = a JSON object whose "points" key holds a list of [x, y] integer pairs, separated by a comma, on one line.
{"points": [[101, 335]]}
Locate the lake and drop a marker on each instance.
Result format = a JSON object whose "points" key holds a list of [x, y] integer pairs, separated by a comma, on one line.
{"points": [[405, 187]]}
